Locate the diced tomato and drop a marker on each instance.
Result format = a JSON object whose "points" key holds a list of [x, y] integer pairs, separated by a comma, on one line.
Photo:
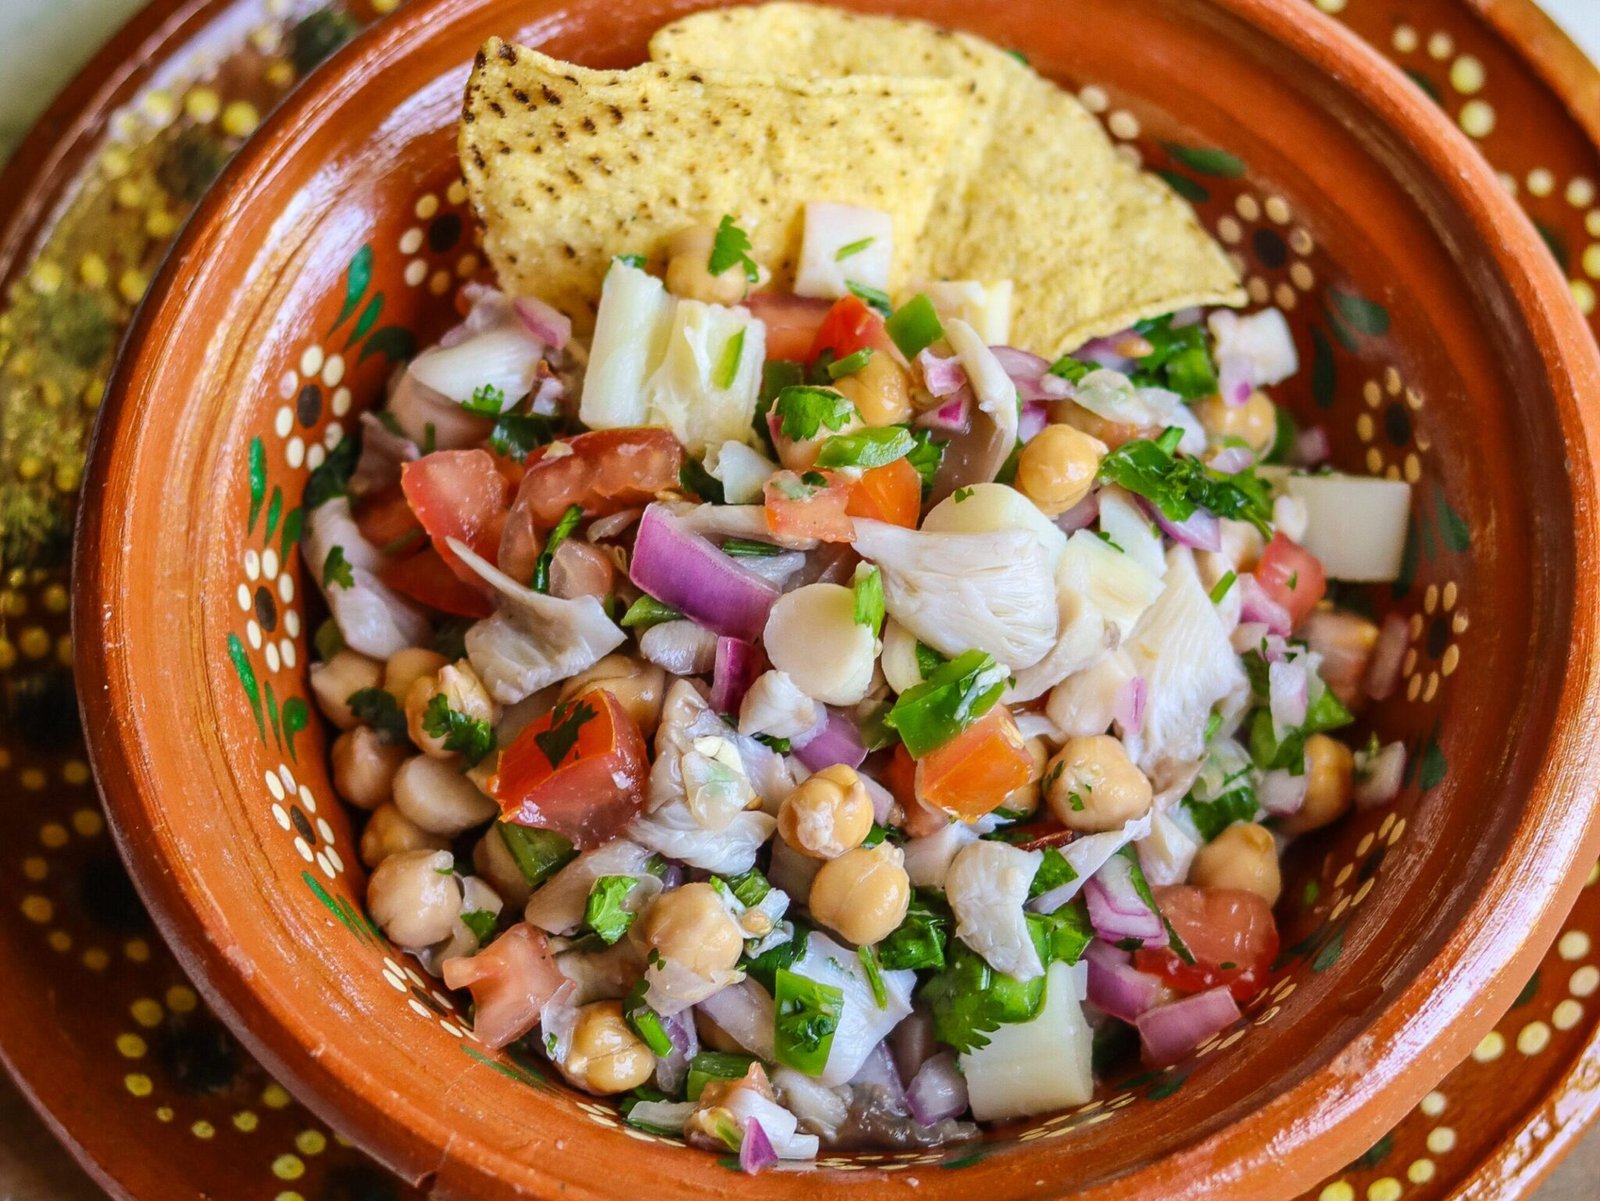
{"points": [[1292, 576], [791, 322], [851, 326], [605, 471], [891, 493], [425, 576], [510, 980], [385, 519], [800, 507], [975, 771], [458, 494], [1229, 932], [579, 770]]}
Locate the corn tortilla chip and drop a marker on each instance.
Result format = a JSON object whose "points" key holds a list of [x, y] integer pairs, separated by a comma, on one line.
{"points": [[568, 166], [1035, 192]]}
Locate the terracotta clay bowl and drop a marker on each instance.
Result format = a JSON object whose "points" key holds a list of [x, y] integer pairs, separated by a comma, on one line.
{"points": [[1439, 343]]}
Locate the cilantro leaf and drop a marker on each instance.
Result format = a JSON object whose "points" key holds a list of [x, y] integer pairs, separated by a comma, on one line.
{"points": [[606, 911], [378, 708], [781, 745], [481, 922], [970, 1000], [1070, 369], [1179, 359], [695, 479], [567, 719], [1054, 871], [731, 248], [336, 570], [1178, 486], [803, 409], [764, 968], [867, 448], [631, 260], [776, 375], [926, 456], [563, 531], [1237, 803], [919, 940], [1325, 712], [516, 435], [869, 963], [473, 737], [486, 400]]}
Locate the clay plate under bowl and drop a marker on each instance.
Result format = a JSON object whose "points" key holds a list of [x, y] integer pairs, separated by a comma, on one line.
{"points": [[1439, 344]]}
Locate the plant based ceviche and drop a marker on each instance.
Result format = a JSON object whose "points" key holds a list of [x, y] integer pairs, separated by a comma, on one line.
{"points": [[814, 721]]}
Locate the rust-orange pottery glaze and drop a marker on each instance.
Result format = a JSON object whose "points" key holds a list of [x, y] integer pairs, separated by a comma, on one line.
{"points": [[1439, 344]]}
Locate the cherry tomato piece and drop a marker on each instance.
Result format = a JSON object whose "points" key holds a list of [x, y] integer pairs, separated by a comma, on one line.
{"points": [[579, 770], [975, 771], [458, 494], [605, 471], [1230, 933], [891, 493], [1292, 576], [811, 505], [791, 322], [425, 576]]}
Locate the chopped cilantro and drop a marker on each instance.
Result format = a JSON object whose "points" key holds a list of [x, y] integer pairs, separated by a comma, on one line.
{"points": [[486, 401], [852, 248], [750, 548], [868, 448], [803, 410], [1236, 802], [1109, 541], [1178, 486], [731, 248], [728, 365], [696, 480], [1070, 369], [781, 745], [473, 737], [763, 969], [954, 696], [481, 922], [962, 494], [877, 299], [715, 1065], [1179, 359], [564, 527], [328, 641], [969, 999], [606, 911], [1326, 712], [869, 610], [516, 435], [751, 888], [378, 708], [850, 364], [926, 457], [919, 940], [568, 718], [632, 260], [336, 570], [647, 611]]}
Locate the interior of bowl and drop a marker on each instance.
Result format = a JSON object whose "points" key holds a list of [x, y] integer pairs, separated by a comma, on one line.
{"points": [[307, 284]]}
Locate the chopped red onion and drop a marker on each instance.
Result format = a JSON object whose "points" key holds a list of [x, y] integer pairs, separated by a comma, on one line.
{"points": [[737, 665], [839, 741], [954, 416], [1287, 689], [685, 571], [1380, 776], [1312, 448], [1117, 911], [1081, 516], [1235, 378], [912, 1043], [673, 1068], [1170, 1032], [744, 1011], [1034, 418], [941, 376], [549, 325], [1231, 460], [755, 1150], [1200, 530], [1256, 605], [1102, 352], [938, 1091], [882, 800], [1027, 371], [1116, 986], [1282, 794], [1128, 710], [1388, 653]]}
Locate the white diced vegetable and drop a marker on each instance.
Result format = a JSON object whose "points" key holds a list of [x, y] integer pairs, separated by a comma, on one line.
{"points": [[1261, 341], [504, 357], [1354, 524], [741, 470], [985, 307], [989, 508], [704, 389], [1039, 1065], [1124, 522], [630, 333], [813, 636], [843, 244]]}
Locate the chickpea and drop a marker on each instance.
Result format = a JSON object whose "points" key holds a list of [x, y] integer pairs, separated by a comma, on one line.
{"points": [[606, 1056], [364, 766], [390, 832], [863, 894], [880, 391], [334, 682], [689, 269], [1243, 856], [1056, 470], [1024, 801], [691, 926], [438, 798], [639, 687], [492, 860], [1255, 422], [1092, 786], [415, 897], [828, 814], [458, 683], [406, 667], [1330, 785]]}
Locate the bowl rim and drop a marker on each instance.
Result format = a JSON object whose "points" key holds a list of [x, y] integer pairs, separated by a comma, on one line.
{"points": [[1454, 998]]}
